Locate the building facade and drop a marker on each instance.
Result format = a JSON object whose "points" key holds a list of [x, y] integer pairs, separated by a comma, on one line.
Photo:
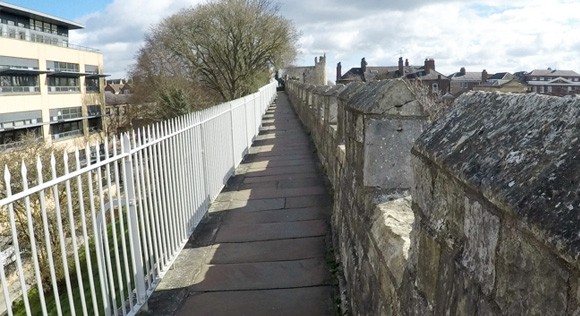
{"points": [[434, 81], [553, 82], [315, 75], [48, 87]]}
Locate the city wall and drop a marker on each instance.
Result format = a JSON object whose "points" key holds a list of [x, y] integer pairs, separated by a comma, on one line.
{"points": [[475, 214]]}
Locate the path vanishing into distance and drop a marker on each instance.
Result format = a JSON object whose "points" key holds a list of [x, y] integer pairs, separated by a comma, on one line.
{"points": [[263, 249]]}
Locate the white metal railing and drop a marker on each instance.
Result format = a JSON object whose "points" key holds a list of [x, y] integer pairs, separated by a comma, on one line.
{"points": [[94, 233]]}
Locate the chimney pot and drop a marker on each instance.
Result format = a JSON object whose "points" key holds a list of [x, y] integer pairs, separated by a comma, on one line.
{"points": [[401, 69], [363, 65]]}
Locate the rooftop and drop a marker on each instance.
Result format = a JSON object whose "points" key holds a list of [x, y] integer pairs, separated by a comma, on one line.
{"points": [[16, 10]]}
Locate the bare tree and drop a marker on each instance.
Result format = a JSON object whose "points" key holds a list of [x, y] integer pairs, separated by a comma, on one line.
{"points": [[37, 222], [229, 46]]}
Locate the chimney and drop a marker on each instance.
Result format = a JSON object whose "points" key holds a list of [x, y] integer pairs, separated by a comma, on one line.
{"points": [[406, 63], [338, 71], [363, 65], [462, 71], [401, 69], [429, 65], [484, 76]]}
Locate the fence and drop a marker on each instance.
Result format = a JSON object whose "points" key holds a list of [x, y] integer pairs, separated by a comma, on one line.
{"points": [[94, 234]]}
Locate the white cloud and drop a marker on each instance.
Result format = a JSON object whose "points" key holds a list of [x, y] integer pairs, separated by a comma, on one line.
{"points": [[474, 34], [118, 30], [522, 35]]}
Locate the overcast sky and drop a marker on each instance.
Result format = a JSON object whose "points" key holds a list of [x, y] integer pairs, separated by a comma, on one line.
{"points": [[493, 35]]}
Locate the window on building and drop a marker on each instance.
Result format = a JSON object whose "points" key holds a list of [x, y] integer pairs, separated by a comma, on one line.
{"points": [[63, 84], [94, 110], [62, 66], [541, 89], [435, 88], [12, 138], [92, 84], [66, 129], [549, 89], [95, 124], [65, 113], [19, 84]]}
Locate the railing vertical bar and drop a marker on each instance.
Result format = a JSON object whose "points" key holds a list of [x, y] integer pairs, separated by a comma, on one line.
{"points": [[61, 234], [86, 236], [163, 192], [5, 291], [47, 239], [166, 203], [112, 206], [160, 223], [181, 163], [15, 243], [99, 249], [103, 229], [169, 157], [33, 247], [72, 223], [154, 202], [143, 208], [134, 240]]}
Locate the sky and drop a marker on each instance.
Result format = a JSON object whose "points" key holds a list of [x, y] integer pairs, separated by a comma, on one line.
{"points": [[496, 35]]}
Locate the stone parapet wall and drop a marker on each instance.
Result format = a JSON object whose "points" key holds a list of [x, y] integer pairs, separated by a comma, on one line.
{"points": [[496, 201], [355, 128], [492, 227]]}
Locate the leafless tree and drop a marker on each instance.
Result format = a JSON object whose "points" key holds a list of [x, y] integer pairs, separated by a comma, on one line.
{"points": [[231, 47]]}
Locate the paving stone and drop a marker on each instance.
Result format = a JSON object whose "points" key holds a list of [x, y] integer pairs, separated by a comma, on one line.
{"points": [[280, 177], [265, 193], [271, 231], [274, 216], [268, 251], [284, 170], [256, 205], [311, 301], [262, 275], [305, 201]]}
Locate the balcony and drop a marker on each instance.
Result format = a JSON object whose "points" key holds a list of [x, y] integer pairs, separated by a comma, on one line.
{"points": [[19, 89], [31, 35], [64, 89], [67, 135]]}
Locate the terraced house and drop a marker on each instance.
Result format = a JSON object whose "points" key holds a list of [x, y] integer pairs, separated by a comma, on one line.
{"points": [[48, 86]]}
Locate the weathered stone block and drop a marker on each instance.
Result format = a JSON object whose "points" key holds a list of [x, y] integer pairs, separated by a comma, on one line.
{"points": [[530, 281], [428, 266], [481, 230], [390, 230], [387, 152]]}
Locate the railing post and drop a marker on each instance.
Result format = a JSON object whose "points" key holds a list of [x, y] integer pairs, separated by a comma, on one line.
{"points": [[134, 236], [208, 188], [233, 134]]}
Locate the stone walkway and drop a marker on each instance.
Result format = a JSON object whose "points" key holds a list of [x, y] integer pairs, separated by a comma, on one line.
{"points": [[263, 248]]}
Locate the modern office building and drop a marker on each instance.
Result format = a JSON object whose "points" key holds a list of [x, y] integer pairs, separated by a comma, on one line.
{"points": [[48, 86]]}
